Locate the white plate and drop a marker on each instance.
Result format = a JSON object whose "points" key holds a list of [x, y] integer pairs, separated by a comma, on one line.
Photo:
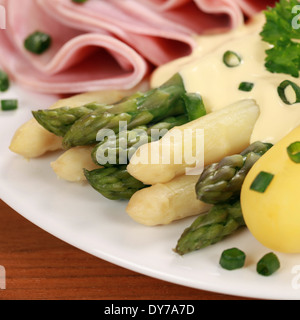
{"points": [[78, 215]]}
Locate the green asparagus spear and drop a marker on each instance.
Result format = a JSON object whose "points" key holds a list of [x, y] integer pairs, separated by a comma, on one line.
{"points": [[152, 106], [194, 105], [222, 182], [114, 183], [59, 121], [120, 148], [221, 221]]}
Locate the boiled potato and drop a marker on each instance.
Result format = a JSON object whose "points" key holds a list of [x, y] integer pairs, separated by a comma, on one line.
{"points": [[273, 216]]}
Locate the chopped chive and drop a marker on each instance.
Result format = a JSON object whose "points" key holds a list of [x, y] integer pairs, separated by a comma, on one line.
{"points": [[268, 265], [194, 106], [246, 86], [231, 59], [262, 182], [4, 81], [232, 259], [282, 91], [294, 151], [9, 105], [38, 42]]}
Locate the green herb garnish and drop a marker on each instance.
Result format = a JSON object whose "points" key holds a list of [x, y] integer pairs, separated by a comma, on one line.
{"points": [[4, 81], [38, 42], [246, 86], [231, 59], [232, 259], [262, 182], [284, 56], [9, 105], [282, 94], [268, 264], [294, 151]]}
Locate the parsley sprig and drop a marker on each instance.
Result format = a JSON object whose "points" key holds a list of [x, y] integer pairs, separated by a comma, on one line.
{"points": [[284, 56]]}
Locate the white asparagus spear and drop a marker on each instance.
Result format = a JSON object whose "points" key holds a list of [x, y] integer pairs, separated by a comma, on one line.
{"points": [[69, 166], [31, 140], [164, 203], [226, 131]]}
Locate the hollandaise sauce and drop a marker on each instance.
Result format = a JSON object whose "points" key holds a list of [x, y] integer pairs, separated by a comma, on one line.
{"points": [[230, 67]]}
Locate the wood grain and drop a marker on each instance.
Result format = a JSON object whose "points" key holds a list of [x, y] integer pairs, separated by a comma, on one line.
{"points": [[41, 267]]}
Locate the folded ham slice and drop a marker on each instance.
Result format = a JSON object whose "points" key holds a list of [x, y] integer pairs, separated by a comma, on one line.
{"points": [[108, 44], [77, 61], [251, 7]]}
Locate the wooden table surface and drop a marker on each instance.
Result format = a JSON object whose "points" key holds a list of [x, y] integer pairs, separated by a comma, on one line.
{"points": [[39, 266]]}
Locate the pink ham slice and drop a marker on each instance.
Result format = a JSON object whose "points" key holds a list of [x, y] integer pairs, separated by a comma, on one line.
{"points": [[165, 5], [251, 7], [77, 61], [108, 44]]}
